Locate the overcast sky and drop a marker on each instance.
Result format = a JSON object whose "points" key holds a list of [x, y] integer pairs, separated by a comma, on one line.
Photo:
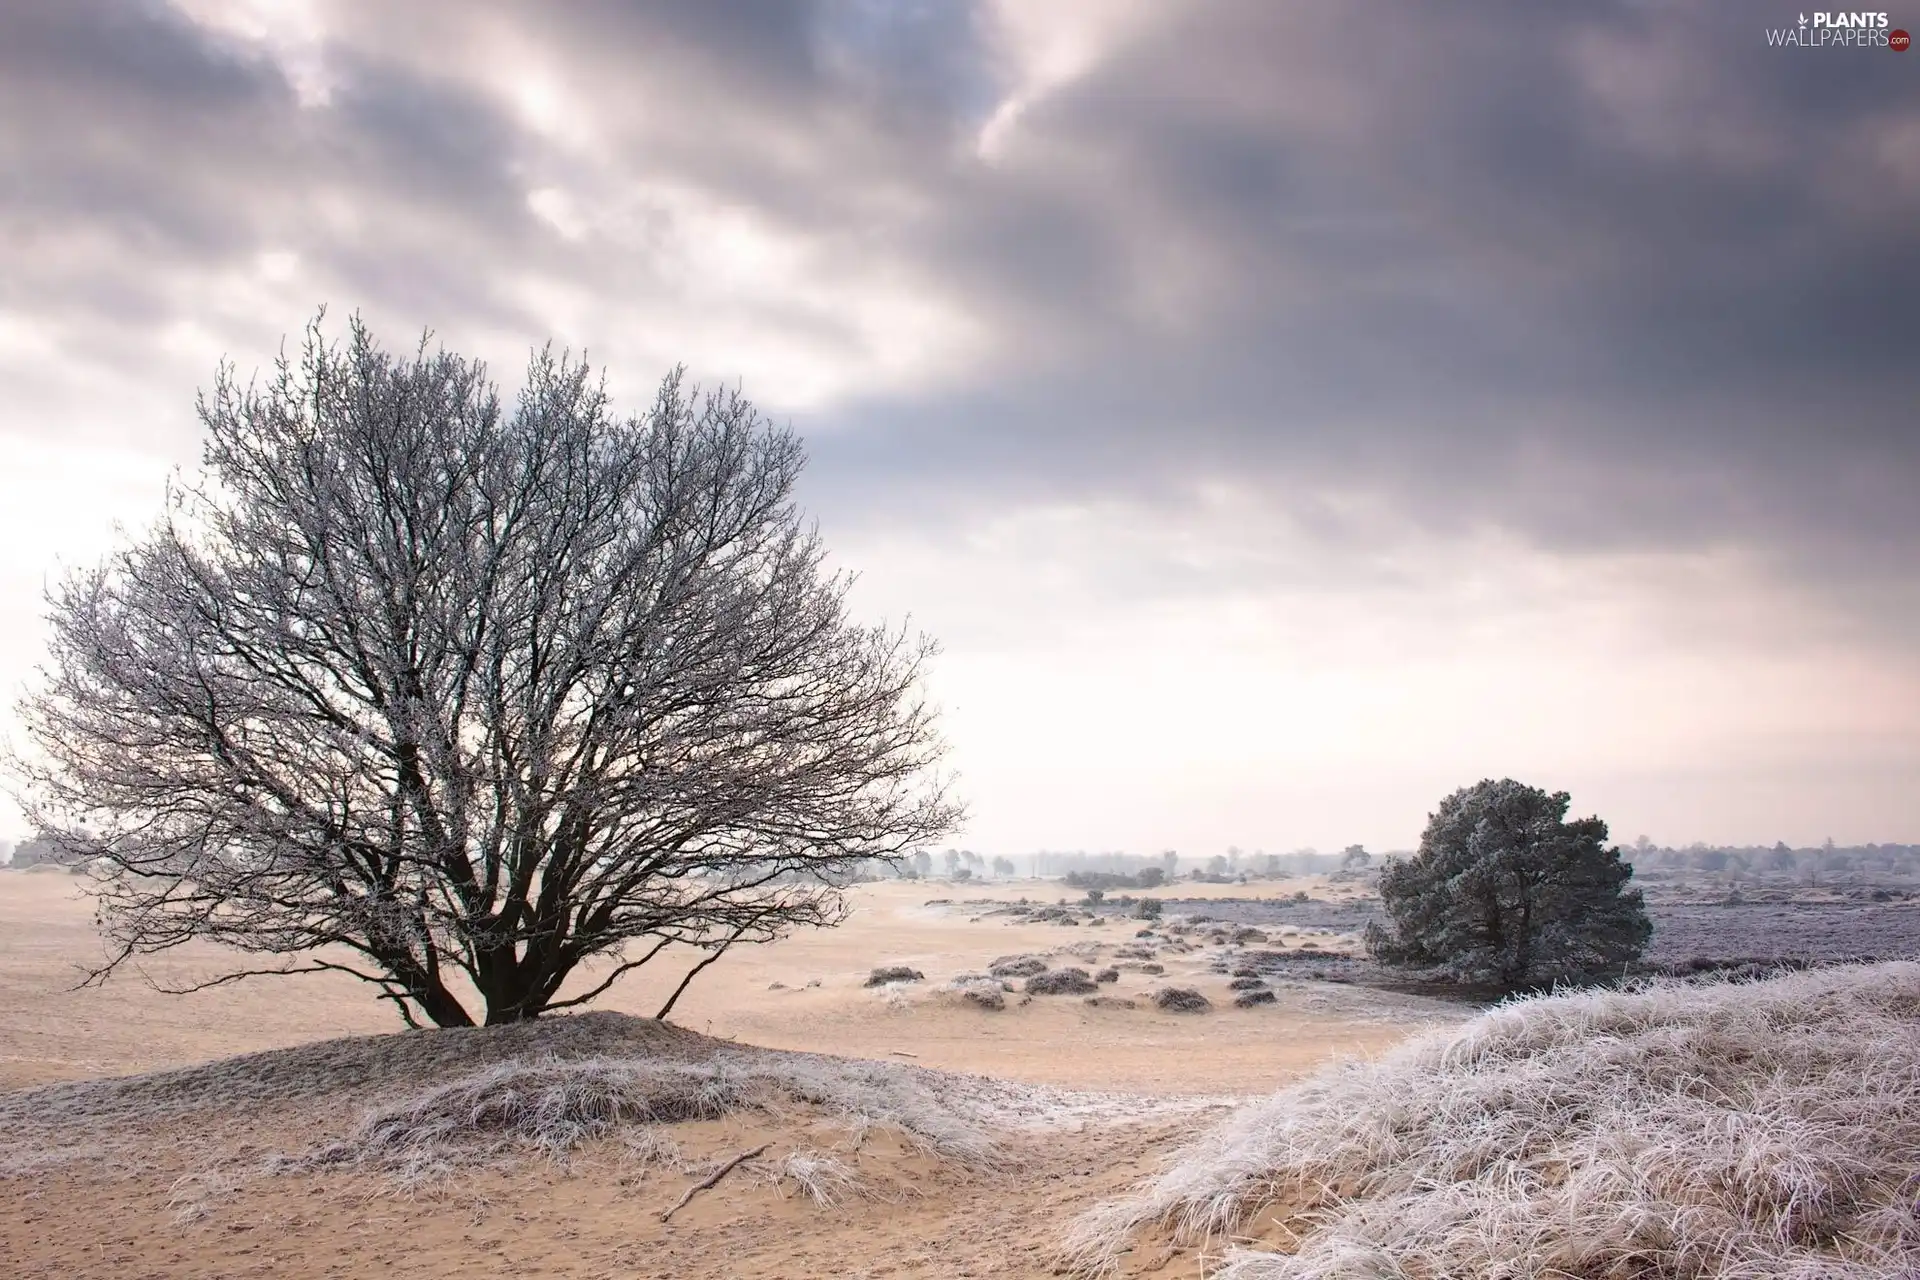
{"points": [[1284, 414]]}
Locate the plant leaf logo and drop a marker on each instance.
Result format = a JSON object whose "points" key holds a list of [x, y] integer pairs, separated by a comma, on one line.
{"points": [[1803, 19]]}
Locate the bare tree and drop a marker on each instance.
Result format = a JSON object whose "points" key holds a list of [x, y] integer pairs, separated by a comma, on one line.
{"points": [[457, 699]]}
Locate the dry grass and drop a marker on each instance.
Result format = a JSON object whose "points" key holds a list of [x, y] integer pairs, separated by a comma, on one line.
{"points": [[824, 1179], [1762, 1129]]}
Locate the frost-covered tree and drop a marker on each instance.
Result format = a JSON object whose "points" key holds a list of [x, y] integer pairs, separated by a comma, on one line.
{"points": [[1505, 890], [470, 700]]}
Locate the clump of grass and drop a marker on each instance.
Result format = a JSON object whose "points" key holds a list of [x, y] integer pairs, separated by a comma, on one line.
{"points": [[1108, 974], [1248, 999], [1247, 982], [823, 1179], [885, 974], [1707, 1130], [1017, 966], [1061, 982], [1181, 1000]]}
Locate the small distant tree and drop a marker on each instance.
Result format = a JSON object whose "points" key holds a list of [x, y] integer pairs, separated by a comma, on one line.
{"points": [[1003, 866], [1150, 877], [1708, 859], [1353, 857], [469, 699], [1505, 890]]}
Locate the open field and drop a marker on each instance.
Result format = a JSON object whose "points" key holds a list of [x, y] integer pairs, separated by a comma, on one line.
{"points": [[936, 1138], [51, 1032], [190, 1200]]}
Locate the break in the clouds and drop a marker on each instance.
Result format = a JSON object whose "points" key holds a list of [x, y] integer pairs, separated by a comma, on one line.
{"points": [[1285, 413]]}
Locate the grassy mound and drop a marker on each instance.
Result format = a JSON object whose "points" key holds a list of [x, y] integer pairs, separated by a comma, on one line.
{"points": [[361, 1068], [1750, 1129], [418, 1104], [550, 1108]]}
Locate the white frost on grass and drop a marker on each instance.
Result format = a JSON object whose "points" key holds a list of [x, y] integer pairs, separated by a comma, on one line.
{"points": [[1730, 1130], [824, 1179], [519, 1109]]}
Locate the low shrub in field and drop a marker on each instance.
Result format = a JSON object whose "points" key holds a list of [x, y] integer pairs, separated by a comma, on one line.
{"points": [[1060, 982], [1108, 974], [1248, 999], [980, 990], [1017, 966], [1712, 1131], [893, 973], [1248, 983], [1181, 1000], [1111, 1002]]}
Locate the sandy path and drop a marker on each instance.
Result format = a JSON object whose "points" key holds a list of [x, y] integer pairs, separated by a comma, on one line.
{"points": [[595, 1218]]}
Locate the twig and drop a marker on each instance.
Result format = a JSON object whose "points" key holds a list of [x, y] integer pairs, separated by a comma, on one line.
{"points": [[714, 1177], [902, 1053]]}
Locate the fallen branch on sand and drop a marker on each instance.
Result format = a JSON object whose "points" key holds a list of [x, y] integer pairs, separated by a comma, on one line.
{"points": [[713, 1178]]}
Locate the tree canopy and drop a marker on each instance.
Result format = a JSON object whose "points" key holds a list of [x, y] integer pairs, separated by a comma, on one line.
{"points": [[458, 697], [1505, 890]]}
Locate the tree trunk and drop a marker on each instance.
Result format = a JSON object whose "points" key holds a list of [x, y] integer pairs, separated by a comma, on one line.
{"points": [[439, 1004]]}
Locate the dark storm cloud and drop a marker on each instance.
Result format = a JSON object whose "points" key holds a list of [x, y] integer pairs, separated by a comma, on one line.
{"points": [[1604, 275], [1446, 256]]}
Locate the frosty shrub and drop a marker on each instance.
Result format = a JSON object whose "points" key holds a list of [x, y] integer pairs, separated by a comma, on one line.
{"points": [[1505, 890], [893, 973], [1061, 982], [1181, 1000]]}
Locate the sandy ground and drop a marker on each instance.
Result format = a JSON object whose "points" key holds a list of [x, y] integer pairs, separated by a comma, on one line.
{"points": [[591, 1218]]}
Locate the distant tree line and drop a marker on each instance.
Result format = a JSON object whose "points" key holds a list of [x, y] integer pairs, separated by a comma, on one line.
{"points": [[1777, 860], [40, 851], [1151, 877]]}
